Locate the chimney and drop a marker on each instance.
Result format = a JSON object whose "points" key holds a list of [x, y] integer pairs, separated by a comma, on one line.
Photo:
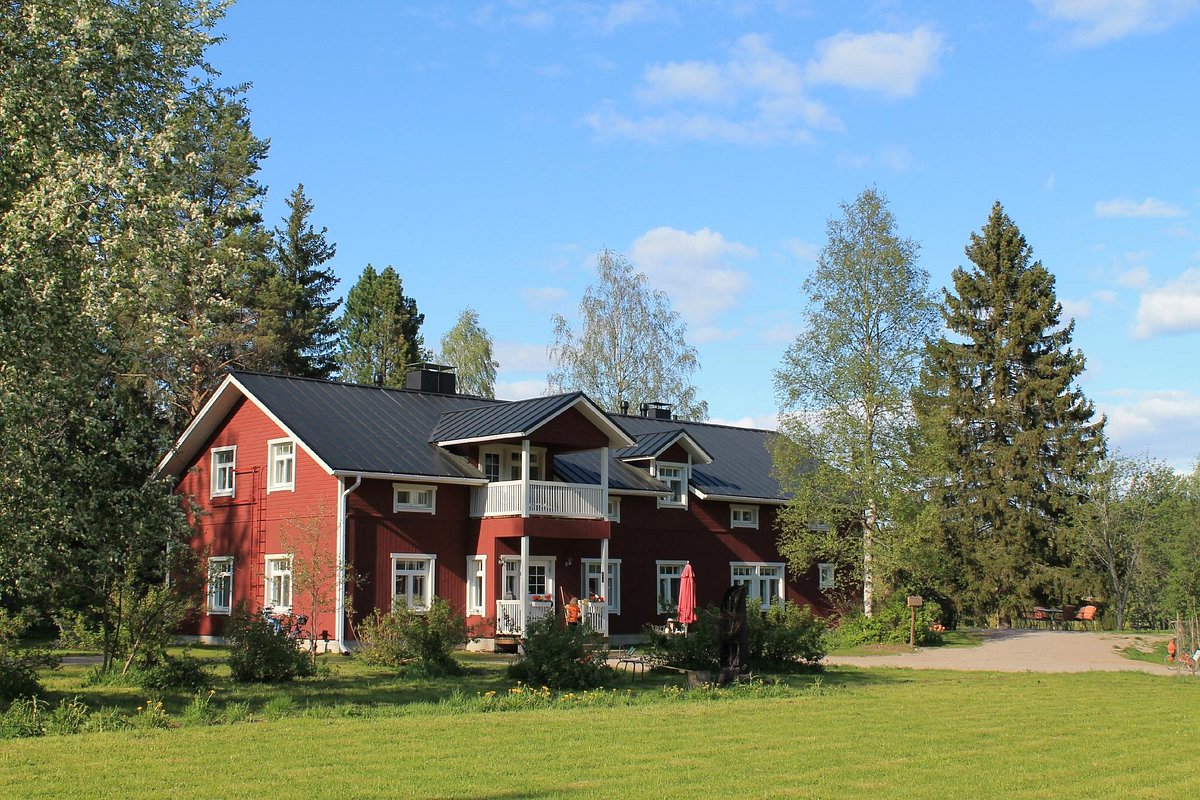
{"points": [[656, 410], [433, 378], [625, 407]]}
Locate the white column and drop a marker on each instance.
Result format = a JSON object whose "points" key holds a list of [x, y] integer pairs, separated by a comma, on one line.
{"points": [[524, 477], [604, 481], [523, 589]]}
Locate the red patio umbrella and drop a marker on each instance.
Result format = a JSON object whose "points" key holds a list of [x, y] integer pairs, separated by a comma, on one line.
{"points": [[687, 597]]}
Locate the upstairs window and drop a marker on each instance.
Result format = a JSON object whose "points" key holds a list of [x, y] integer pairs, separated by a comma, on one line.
{"points": [[407, 497], [743, 517], [825, 576], [279, 584], [281, 475], [675, 476], [503, 463], [614, 509], [224, 461], [220, 585]]}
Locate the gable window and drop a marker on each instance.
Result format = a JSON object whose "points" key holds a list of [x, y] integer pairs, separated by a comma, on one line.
{"points": [[224, 461], [412, 581], [743, 517], [763, 582], [279, 583], [668, 585], [675, 476], [476, 584], [281, 461], [825, 576], [610, 590], [614, 509], [503, 463], [407, 497], [220, 585]]}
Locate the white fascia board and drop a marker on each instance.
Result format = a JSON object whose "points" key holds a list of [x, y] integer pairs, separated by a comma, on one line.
{"points": [[201, 427], [729, 498], [403, 476], [500, 437]]}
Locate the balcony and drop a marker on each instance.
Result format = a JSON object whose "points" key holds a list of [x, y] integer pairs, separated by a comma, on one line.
{"points": [[546, 499]]}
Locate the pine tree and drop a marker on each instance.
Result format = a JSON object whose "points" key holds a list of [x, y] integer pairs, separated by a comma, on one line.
{"points": [[299, 331], [1018, 433], [468, 347], [380, 330]]}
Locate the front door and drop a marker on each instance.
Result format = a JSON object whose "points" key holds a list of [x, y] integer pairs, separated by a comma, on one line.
{"points": [[541, 577]]}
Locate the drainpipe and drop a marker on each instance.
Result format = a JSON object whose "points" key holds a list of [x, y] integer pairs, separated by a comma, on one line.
{"points": [[339, 624]]}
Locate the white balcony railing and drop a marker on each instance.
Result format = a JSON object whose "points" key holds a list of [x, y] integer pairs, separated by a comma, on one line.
{"points": [[546, 498], [509, 616]]}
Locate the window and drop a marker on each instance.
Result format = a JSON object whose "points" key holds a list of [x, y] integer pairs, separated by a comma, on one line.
{"points": [[743, 517], [825, 578], [476, 585], [614, 509], [763, 582], [282, 465], [220, 585], [406, 497], [491, 466], [504, 463], [675, 477], [612, 588], [279, 583], [668, 585], [224, 460], [412, 581], [541, 577]]}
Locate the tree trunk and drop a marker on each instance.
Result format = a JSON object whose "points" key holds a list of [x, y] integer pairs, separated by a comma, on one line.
{"points": [[868, 534]]}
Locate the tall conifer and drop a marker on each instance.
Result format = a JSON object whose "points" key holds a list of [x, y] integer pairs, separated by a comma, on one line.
{"points": [[381, 330]]}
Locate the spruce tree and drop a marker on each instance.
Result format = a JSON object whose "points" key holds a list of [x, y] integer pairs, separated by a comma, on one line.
{"points": [[1017, 431], [380, 330]]}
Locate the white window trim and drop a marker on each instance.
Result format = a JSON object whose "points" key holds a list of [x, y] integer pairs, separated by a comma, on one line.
{"points": [[734, 522], [780, 595], [614, 573], [231, 491], [397, 506], [269, 573], [215, 570], [614, 511], [658, 576], [475, 566], [684, 476], [549, 562], [272, 486], [826, 576], [430, 573]]}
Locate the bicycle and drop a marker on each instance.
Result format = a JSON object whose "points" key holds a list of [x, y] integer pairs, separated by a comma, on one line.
{"points": [[289, 624]]}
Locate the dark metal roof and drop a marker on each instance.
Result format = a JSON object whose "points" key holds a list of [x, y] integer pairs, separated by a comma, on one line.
{"points": [[356, 428], [741, 465], [651, 445], [500, 420], [584, 467]]}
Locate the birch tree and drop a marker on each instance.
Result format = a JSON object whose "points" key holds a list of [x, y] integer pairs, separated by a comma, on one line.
{"points": [[468, 347]]}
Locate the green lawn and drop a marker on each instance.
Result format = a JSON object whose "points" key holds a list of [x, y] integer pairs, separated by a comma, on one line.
{"points": [[847, 733]]}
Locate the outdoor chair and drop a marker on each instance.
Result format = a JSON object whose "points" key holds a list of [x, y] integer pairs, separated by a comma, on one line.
{"points": [[1041, 617], [1086, 616], [632, 660]]}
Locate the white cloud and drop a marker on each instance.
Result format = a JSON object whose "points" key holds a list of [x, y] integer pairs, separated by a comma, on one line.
{"points": [[1165, 424], [705, 334], [768, 422], [1135, 278], [802, 250], [1095, 22], [520, 390], [1076, 309], [1105, 296], [522, 357], [693, 269], [1173, 307], [896, 158], [632, 12], [1150, 207], [688, 80], [542, 295], [783, 333], [893, 64]]}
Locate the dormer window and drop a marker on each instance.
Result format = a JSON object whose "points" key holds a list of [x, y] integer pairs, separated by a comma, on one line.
{"points": [[675, 476]]}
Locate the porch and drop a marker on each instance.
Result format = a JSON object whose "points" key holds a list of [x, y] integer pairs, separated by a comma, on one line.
{"points": [[541, 498], [512, 616]]}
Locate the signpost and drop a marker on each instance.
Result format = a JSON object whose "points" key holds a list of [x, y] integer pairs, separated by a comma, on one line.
{"points": [[915, 601]]}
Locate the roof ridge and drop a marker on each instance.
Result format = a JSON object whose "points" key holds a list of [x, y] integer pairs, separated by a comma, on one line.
{"points": [[694, 422], [355, 385]]}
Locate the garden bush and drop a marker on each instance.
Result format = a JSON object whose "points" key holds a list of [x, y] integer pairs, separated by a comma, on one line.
{"points": [[786, 635], [557, 656], [260, 653], [405, 637], [18, 666], [889, 623], [698, 650]]}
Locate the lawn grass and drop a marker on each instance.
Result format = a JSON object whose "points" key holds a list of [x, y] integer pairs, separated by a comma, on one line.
{"points": [[848, 732]]}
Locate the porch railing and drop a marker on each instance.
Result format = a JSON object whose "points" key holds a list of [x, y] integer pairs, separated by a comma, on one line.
{"points": [[546, 498], [509, 613]]}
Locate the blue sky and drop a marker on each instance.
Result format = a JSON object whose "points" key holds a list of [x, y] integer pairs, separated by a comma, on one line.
{"points": [[489, 150]]}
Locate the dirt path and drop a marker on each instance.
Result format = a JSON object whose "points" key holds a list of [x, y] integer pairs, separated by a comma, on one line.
{"points": [[1022, 651]]}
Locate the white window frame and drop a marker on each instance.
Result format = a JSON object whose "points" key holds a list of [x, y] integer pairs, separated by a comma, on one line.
{"points": [[748, 511], [271, 570], [510, 459], [826, 576], [614, 509], [414, 489], [220, 571], [476, 586], [756, 580], [613, 594], [427, 573], [272, 458], [682, 477], [660, 576], [511, 568], [222, 469]]}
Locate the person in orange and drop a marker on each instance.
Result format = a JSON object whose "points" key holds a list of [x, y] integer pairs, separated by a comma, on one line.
{"points": [[1171, 651], [573, 612]]}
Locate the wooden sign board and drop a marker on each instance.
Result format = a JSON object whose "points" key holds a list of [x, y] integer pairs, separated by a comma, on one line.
{"points": [[915, 601]]}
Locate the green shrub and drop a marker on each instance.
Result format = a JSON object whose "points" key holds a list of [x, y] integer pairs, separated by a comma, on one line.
{"points": [[785, 635], [699, 650], [24, 718], [18, 667], [557, 656], [889, 623], [182, 673], [405, 637], [259, 653]]}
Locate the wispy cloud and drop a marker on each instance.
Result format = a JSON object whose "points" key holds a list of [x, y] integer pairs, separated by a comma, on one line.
{"points": [[1135, 278], [896, 158], [542, 295], [1095, 22], [759, 95], [892, 64], [693, 268], [1150, 207], [1165, 422], [1173, 307], [769, 421], [802, 250], [521, 390], [522, 357]]}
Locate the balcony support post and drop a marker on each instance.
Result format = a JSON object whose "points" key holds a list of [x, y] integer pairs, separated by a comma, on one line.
{"points": [[523, 589], [525, 478], [604, 481]]}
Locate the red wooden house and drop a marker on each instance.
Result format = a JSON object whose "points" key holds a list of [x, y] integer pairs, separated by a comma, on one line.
{"points": [[502, 508]]}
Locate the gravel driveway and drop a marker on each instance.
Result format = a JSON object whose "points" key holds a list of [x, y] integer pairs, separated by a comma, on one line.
{"points": [[1022, 651]]}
